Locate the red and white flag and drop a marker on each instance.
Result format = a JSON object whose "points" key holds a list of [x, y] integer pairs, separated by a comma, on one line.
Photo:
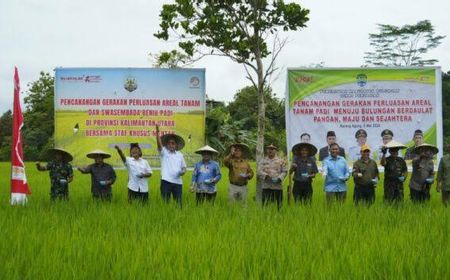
{"points": [[19, 185]]}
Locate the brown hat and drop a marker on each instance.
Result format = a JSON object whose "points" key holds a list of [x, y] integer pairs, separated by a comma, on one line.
{"points": [[312, 150], [96, 153], [272, 146], [67, 157], [425, 147], [243, 147], [178, 139]]}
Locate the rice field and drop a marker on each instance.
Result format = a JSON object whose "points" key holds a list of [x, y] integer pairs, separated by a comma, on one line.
{"points": [[83, 239]]}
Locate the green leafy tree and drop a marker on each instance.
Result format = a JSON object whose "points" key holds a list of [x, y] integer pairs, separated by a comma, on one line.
{"points": [[5, 135], [171, 59], [39, 117], [222, 130], [244, 108], [403, 46], [246, 31]]}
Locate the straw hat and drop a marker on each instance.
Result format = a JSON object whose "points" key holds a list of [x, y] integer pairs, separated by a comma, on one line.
{"points": [[178, 139], [243, 147], [96, 153], [206, 149], [312, 150], [67, 157], [424, 147], [395, 145]]}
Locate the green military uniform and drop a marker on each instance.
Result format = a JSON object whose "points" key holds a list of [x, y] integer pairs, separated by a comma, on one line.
{"points": [[60, 173], [363, 174], [423, 168], [394, 169], [444, 176]]}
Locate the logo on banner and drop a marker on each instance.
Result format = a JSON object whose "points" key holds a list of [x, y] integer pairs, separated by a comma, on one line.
{"points": [[130, 84], [304, 79], [195, 82], [361, 80]]}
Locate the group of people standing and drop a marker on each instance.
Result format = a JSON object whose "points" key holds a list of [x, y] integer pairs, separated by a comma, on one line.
{"points": [[271, 172], [365, 170]]}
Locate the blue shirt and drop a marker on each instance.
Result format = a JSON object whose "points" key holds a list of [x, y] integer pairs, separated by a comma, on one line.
{"points": [[203, 173], [335, 170]]}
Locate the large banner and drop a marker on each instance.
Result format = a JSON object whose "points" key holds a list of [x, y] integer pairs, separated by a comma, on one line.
{"points": [[98, 108], [346, 100]]}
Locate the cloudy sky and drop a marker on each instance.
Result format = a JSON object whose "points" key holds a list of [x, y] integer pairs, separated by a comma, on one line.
{"points": [[39, 35]]}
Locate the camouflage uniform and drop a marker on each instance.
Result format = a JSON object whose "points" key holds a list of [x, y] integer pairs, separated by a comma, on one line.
{"points": [[59, 171], [394, 168], [423, 168], [272, 173]]}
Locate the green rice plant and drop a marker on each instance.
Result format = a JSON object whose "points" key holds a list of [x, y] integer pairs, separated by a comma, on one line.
{"points": [[85, 239]]}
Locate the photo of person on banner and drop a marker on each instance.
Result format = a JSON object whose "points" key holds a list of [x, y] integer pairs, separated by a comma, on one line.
{"points": [[354, 152], [326, 151]]}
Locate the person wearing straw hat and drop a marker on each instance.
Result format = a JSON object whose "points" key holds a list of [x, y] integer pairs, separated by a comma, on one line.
{"points": [[103, 175], [443, 177], [365, 175], [205, 176], [240, 171], [304, 168], [173, 166], [138, 173], [272, 170], [60, 171], [336, 173], [418, 140], [422, 176], [395, 172]]}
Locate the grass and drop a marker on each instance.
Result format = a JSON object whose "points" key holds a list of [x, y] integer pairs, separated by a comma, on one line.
{"points": [[84, 239]]}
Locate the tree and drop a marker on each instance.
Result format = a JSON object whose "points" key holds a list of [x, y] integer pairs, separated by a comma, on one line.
{"points": [[239, 30], [39, 117], [403, 46], [5, 136], [222, 130], [172, 59], [244, 108]]}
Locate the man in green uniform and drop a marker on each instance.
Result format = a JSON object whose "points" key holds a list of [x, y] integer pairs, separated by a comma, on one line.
{"points": [[443, 177], [423, 173], [61, 173], [395, 172], [365, 176]]}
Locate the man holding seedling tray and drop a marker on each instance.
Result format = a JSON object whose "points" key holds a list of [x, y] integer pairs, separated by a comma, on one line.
{"points": [[239, 171]]}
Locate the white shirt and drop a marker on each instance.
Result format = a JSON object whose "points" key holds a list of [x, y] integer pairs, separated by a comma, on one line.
{"points": [[172, 164], [135, 168]]}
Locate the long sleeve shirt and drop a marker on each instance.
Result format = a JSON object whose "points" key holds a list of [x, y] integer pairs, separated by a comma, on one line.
{"points": [[202, 175], [276, 169], [444, 172], [237, 168], [422, 169], [336, 172]]}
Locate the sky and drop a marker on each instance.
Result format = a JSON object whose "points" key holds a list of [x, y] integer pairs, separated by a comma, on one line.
{"points": [[39, 35]]}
